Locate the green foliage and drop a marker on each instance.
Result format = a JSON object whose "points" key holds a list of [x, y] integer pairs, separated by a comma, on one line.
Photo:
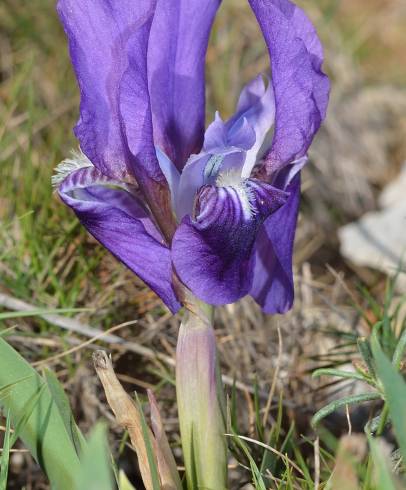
{"points": [[394, 388], [61, 400], [383, 474], [275, 456], [95, 470], [37, 418], [384, 339], [123, 481], [382, 360], [5, 455], [343, 402]]}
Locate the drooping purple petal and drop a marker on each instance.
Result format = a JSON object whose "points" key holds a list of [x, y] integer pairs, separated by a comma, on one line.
{"points": [[301, 88], [212, 253], [119, 222], [98, 32], [272, 286], [176, 59]]}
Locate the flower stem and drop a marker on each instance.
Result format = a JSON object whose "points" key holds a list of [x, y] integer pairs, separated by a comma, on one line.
{"points": [[200, 401]]}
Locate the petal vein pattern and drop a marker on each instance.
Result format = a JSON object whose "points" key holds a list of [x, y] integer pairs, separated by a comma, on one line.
{"points": [[212, 252], [120, 222]]}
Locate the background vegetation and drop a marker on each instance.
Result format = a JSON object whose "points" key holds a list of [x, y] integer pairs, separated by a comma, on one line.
{"points": [[48, 261]]}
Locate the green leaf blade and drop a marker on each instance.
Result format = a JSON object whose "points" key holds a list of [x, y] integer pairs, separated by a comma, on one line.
{"points": [[395, 393], [36, 418], [95, 469]]}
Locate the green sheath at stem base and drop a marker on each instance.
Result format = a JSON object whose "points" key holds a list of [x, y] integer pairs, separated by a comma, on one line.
{"points": [[201, 402]]}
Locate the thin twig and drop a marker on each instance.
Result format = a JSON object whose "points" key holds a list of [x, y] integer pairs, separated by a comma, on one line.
{"points": [[316, 463], [83, 344], [347, 413]]}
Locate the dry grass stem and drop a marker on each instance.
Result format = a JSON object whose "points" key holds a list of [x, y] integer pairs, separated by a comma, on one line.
{"points": [[125, 411], [129, 418]]}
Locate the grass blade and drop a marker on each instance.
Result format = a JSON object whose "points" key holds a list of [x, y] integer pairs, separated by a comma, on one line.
{"points": [[62, 403], [123, 482], [395, 393], [95, 470], [382, 473], [349, 400], [338, 373], [41, 429], [40, 311], [5, 455], [257, 478]]}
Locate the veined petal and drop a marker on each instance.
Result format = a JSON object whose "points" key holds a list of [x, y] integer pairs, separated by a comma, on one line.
{"points": [[135, 106], [220, 135], [98, 32], [120, 222], [135, 109], [176, 59], [272, 287], [301, 88], [256, 106], [202, 169], [212, 253], [216, 135]]}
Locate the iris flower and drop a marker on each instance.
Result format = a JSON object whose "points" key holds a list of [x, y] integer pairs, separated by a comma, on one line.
{"points": [[214, 210]]}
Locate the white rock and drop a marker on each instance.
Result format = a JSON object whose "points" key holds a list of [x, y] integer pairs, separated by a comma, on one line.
{"points": [[378, 239], [394, 192]]}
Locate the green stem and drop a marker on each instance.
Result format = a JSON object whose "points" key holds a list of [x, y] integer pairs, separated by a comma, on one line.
{"points": [[200, 401], [382, 422]]}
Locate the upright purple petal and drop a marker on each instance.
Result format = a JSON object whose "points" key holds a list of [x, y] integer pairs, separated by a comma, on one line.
{"points": [[135, 110], [229, 146], [119, 222], [99, 32], [301, 88], [135, 106], [176, 59], [272, 286], [212, 253], [256, 105]]}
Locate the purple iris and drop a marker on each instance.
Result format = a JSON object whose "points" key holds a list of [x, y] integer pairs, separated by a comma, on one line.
{"points": [[215, 210]]}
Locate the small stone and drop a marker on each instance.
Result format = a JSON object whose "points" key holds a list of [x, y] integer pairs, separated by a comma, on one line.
{"points": [[378, 239]]}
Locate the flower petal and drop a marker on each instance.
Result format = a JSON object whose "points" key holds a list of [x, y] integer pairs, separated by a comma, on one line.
{"points": [[98, 32], [256, 105], [301, 88], [171, 173], [272, 286], [212, 253], [119, 222], [135, 109], [176, 59], [200, 170]]}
